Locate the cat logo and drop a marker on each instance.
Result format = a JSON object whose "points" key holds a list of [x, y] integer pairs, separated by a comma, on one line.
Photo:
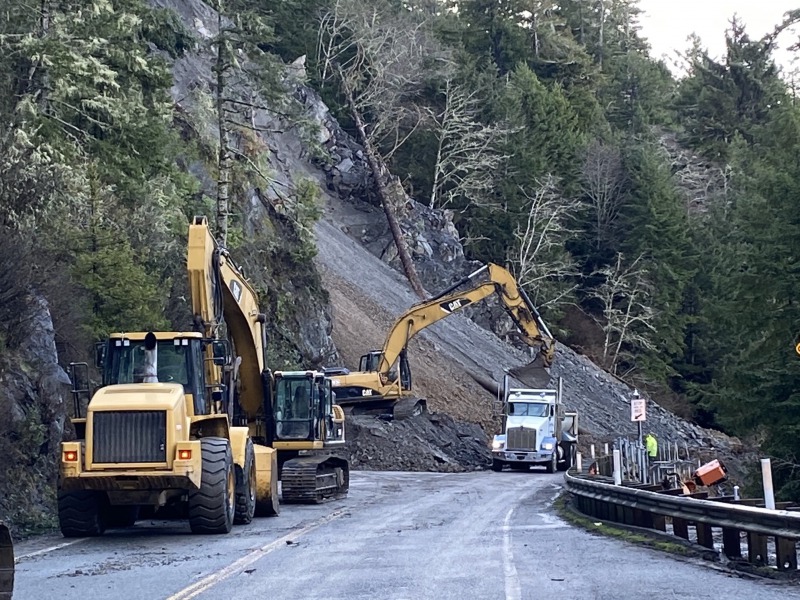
{"points": [[236, 290], [454, 305], [366, 392]]}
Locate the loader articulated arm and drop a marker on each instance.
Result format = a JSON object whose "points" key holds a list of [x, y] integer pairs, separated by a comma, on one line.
{"points": [[501, 282], [221, 296]]}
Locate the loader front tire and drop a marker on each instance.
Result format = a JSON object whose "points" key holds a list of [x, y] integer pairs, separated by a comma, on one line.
{"points": [[212, 506], [246, 487], [80, 513]]}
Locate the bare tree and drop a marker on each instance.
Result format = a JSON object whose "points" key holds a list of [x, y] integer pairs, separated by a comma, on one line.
{"points": [[602, 178], [540, 254], [378, 60], [627, 316], [469, 154]]}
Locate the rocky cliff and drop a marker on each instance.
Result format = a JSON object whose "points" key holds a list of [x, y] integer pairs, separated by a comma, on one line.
{"points": [[34, 391]]}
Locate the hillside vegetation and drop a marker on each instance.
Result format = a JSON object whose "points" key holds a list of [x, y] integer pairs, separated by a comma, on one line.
{"points": [[654, 220]]}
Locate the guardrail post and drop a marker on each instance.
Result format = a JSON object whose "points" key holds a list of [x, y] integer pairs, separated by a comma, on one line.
{"points": [[606, 452], [579, 462], [705, 536], [731, 542], [680, 527], [736, 493], [786, 551], [591, 451], [660, 522], [756, 548], [766, 476]]}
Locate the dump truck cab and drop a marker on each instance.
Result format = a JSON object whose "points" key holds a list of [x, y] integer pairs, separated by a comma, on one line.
{"points": [[536, 430]]}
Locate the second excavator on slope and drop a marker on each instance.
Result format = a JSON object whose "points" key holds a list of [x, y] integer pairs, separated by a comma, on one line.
{"points": [[382, 384]]}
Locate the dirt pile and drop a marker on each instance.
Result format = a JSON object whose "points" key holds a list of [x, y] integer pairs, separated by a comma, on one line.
{"points": [[434, 442]]}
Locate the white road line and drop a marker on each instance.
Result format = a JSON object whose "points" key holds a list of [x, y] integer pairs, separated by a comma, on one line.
{"points": [[535, 527], [513, 588], [240, 565], [49, 549]]}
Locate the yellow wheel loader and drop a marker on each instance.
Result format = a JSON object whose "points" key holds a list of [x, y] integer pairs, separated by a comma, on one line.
{"points": [[382, 385], [182, 422]]}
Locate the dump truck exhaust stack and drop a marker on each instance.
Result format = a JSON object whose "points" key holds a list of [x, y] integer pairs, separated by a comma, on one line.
{"points": [[6, 563]]}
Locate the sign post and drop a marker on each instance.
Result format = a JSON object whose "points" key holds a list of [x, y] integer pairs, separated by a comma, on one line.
{"points": [[638, 411]]}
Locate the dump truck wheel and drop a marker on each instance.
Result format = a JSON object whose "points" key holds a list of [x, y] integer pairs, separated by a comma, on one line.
{"points": [[497, 465], [569, 458], [246, 487], [211, 507], [552, 466], [80, 513]]}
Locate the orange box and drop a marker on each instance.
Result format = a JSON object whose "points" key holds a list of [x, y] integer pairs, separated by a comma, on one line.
{"points": [[711, 473]]}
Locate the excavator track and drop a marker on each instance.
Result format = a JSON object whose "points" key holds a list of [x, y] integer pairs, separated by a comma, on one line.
{"points": [[313, 479], [6, 563]]}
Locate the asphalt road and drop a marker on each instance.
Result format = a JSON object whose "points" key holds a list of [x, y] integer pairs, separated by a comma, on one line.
{"points": [[396, 536]]}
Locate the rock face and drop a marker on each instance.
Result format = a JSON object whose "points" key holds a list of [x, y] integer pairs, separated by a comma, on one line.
{"points": [[34, 391]]}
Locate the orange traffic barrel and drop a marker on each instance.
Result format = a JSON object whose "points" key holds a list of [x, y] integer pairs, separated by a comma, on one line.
{"points": [[6, 563]]}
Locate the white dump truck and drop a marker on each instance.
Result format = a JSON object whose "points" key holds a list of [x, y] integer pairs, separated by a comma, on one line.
{"points": [[536, 430]]}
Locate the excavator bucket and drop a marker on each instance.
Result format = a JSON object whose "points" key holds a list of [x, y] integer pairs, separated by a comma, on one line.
{"points": [[533, 375], [6, 563]]}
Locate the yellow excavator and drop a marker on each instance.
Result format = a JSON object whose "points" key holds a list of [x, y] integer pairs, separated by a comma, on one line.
{"points": [[382, 385], [183, 422]]}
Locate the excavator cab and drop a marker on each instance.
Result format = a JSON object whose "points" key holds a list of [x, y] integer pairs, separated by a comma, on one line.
{"points": [[304, 408]]}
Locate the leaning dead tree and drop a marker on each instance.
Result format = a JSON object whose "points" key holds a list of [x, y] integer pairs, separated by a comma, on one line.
{"points": [[376, 59]]}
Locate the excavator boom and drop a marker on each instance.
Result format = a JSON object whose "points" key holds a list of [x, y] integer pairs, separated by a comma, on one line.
{"points": [[514, 299], [222, 296]]}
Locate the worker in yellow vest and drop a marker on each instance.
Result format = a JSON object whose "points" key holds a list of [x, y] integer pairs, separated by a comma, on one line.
{"points": [[652, 446]]}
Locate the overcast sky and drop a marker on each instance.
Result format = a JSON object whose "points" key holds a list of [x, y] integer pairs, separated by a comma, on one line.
{"points": [[667, 23]]}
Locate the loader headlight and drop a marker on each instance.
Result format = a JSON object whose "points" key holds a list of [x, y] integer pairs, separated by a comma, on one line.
{"points": [[547, 445]]}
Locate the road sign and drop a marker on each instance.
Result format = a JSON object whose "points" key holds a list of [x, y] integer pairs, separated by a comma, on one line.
{"points": [[638, 409]]}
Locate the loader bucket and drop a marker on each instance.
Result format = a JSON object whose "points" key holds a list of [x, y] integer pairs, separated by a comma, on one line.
{"points": [[533, 375], [6, 563]]}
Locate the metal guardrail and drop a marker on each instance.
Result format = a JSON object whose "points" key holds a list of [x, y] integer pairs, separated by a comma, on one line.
{"points": [[649, 506]]}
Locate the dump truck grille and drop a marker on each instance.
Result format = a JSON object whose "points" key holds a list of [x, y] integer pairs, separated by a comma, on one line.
{"points": [[131, 436], [521, 438]]}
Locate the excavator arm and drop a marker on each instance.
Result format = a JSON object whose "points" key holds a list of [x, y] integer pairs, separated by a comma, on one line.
{"points": [[222, 297], [514, 299]]}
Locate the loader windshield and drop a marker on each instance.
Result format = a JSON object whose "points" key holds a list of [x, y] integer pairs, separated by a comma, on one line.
{"points": [[125, 363]]}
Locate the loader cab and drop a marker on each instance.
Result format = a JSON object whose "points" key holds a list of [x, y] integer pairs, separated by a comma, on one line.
{"points": [[180, 359], [303, 406]]}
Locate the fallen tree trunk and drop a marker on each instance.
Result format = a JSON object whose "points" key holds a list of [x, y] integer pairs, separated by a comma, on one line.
{"points": [[380, 174]]}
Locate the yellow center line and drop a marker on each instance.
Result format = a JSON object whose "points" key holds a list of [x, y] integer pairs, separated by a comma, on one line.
{"points": [[240, 565]]}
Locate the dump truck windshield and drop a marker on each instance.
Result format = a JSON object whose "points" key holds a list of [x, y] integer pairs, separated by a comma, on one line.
{"points": [[528, 409]]}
